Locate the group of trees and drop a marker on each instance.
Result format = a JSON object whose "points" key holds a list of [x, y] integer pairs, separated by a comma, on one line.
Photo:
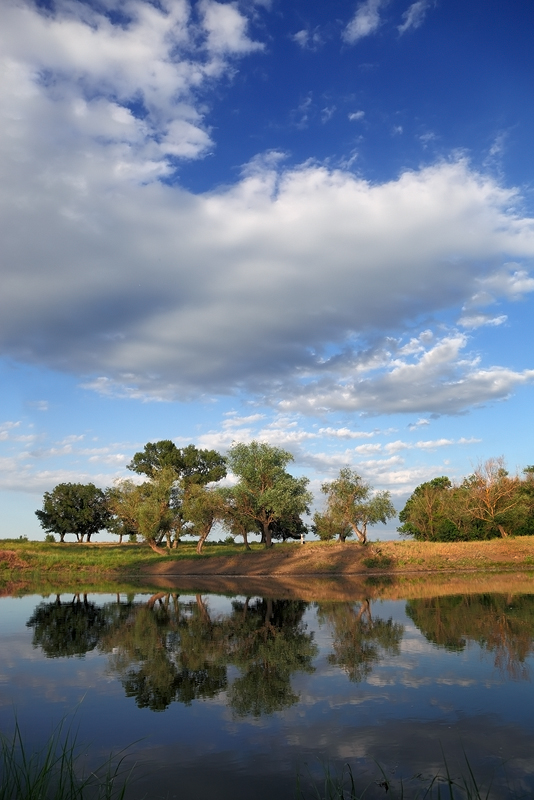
{"points": [[181, 494], [487, 504]]}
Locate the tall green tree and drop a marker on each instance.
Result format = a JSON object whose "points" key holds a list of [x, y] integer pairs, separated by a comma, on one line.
{"points": [[190, 464], [426, 513], [145, 509], [77, 508], [351, 507], [265, 492]]}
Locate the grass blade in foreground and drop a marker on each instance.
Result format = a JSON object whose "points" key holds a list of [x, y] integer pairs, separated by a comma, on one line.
{"points": [[55, 772]]}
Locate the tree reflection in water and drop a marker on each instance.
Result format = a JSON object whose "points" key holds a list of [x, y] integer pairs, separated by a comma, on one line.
{"points": [[268, 642], [166, 650], [67, 628], [359, 641], [500, 624]]}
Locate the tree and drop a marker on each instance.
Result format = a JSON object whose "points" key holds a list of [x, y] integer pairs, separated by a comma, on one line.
{"points": [[352, 508], [265, 492], [145, 509], [78, 508], [190, 465], [202, 507], [493, 497], [426, 513], [236, 522]]}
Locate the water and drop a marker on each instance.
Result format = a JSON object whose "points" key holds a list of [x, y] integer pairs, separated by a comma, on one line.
{"points": [[233, 697]]}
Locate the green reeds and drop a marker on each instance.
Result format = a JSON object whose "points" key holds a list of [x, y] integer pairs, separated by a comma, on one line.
{"points": [[55, 772]]}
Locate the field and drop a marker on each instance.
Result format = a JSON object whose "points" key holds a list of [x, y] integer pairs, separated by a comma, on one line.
{"points": [[101, 560]]}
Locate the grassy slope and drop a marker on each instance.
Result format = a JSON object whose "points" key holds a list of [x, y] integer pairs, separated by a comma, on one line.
{"points": [[293, 558], [315, 571]]}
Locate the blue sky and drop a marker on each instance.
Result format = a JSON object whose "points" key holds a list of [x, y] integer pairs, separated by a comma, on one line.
{"points": [[306, 223]]}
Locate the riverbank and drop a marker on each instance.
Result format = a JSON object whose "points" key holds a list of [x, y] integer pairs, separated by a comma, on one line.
{"points": [[291, 559]]}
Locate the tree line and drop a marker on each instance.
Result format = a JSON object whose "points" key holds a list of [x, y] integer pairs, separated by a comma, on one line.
{"points": [[487, 504], [182, 495]]}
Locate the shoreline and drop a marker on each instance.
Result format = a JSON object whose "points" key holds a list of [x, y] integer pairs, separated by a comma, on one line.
{"points": [[313, 571]]}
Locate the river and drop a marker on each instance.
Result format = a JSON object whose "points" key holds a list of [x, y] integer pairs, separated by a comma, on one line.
{"points": [[234, 697]]}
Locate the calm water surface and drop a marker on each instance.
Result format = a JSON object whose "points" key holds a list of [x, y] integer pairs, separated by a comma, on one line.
{"points": [[230, 697]]}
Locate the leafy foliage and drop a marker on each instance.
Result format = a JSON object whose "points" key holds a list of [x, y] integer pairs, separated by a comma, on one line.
{"points": [[486, 504], [351, 507], [266, 494], [78, 508]]}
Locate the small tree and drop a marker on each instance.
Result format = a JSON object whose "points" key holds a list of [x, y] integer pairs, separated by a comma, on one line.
{"points": [[78, 508], [493, 497], [202, 507], [351, 507], [426, 515]]}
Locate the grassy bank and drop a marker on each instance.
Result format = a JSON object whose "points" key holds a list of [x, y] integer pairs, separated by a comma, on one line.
{"points": [[19, 558]]}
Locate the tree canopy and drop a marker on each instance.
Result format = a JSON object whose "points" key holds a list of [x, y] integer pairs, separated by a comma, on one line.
{"points": [[265, 492], [77, 508], [189, 464], [351, 507], [488, 503]]}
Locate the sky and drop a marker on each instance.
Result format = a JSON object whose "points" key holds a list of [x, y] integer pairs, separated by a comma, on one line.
{"points": [[310, 224]]}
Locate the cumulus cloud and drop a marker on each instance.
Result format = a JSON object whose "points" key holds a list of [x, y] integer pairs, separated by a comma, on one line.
{"points": [[365, 21], [278, 283], [133, 84], [435, 378]]}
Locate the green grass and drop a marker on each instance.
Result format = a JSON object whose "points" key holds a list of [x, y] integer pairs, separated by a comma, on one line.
{"points": [[126, 559], [55, 772]]}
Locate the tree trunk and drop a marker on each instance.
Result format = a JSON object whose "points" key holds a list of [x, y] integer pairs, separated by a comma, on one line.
{"points": [[502, 531], [203, 536], [361, 534], [267, 535], [247, 546], [153, 546], [154, 598]]}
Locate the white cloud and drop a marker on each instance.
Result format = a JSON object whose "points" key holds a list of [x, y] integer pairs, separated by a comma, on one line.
{"points": [[226, 28], [175, 295], [478, 320], [421, 421], [151, 292], [346, 433], [414, 16], [308, 39], [365, 21], [438, 380], [133, 85], [356, 115]]}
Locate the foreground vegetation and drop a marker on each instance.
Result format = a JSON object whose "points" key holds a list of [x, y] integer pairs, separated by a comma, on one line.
{"points": [[55, 771]]}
